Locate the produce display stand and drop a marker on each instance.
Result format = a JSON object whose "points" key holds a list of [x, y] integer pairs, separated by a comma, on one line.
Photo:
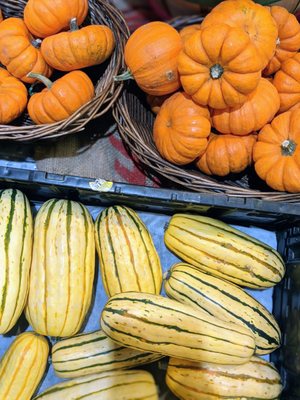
{"points": [[280, 219]]}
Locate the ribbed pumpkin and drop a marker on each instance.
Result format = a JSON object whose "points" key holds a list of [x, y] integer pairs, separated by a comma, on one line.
{"points": [[92, 353], [277, 152], [151, 54], [157, 324], [47, 17], [287, 83], [256, 379], [62, 269], [19, 52], [189, 30], [16, 237], [224, 300], [78, 48], [61, 98], [259, 109], [255, 19], [288, 41], [181, 129], [128, 258], [219, 66], [226, 154], [13, 97], [23, 366]]}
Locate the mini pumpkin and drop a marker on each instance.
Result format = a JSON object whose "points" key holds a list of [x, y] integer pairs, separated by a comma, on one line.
{"points": [[219, 66], [19, 52], [259, 109], [189, 30], [181, 129], [277, 152], [78, 48], [255, 19], [48, 17], [151, 54], [288, 41], [226, 154], [61, 98], [287, 83], [13, 97]]}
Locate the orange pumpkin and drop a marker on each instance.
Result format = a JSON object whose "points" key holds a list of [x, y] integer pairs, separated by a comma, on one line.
{"points": [[48, 17], [287, 83], [19, 52], [151, 54], [78, 48], [181, 129], [226, 154], [253, 18], [189, 30], [277, 152], [219, 66], [61, 98], [13, 97], [288, 41], [259, 109]]}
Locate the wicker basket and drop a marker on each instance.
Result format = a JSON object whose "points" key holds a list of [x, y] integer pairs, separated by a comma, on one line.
{"points": [[106, 90], [135, 122]]}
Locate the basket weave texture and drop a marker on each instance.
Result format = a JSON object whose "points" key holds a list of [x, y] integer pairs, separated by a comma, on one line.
{"points": [[135, 122], [101, 12]]}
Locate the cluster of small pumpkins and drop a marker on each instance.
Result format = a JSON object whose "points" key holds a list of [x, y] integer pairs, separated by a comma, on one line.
{"points": [[46, 39], [226, 91]]}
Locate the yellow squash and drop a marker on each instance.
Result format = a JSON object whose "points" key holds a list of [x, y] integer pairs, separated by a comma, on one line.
{"points": [[16, 229], [23, 366], [154, 323], [215, 247], [256, 379], [128, 258], [62, 271]]}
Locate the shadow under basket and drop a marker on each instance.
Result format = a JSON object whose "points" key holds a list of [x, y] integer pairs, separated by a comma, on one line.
{"points": [[135, 123], [101, 12]]}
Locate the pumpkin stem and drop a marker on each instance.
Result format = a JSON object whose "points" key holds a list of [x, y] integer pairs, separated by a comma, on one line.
{"points": [[288, 147], [123, 77], [216, 71], [41, 78], [278, 41], [73, 25], [36, 43]]}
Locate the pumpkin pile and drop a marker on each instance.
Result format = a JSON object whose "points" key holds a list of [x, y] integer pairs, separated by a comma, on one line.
{"points": [[47, 39], [226, 92]]}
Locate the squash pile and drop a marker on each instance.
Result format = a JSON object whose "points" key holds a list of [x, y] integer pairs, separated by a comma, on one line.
{"points": [[220, 90], [48, 39], [211, 329]]}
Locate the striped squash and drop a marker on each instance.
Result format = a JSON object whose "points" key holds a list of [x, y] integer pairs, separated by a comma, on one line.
{"points": [[128, 258], [91, 353], [224, 300], [16, 229], [154, 323], [23, 366], [255, 380], [216, 247], [62, 271], [112, 385]]}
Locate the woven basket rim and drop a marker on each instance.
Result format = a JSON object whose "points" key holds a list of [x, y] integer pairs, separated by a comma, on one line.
{"points": [[106, 89], [145, 152]]}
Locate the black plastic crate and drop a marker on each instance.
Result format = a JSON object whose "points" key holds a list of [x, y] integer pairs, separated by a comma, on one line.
{"points": [[280, 218]]}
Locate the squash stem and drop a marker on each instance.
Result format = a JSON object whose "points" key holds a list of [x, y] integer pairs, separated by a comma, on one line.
{"points": [[288, 147], [36, 43], [216, 71], [123, 77], [73, 25], [41, 78]]}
